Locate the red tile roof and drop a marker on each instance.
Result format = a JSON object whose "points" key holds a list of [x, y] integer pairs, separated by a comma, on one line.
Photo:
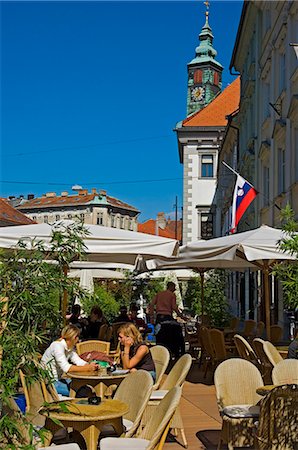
{"points": [[149, 227], [214, 114], [10, 216], [71, 200]]}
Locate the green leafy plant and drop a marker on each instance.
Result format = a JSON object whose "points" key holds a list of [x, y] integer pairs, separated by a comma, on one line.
{"points": [[216, 306], [30, 294], [287, 272], [102, 298]]}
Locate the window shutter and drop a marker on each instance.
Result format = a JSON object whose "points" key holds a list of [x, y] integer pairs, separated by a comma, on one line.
{"points": [[198, 78]]}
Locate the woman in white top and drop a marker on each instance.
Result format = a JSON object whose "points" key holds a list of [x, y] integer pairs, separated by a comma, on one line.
{"points": [[61, 358]]}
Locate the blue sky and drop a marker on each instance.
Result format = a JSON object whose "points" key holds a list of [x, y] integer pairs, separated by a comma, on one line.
{"points": [[91, 92]]}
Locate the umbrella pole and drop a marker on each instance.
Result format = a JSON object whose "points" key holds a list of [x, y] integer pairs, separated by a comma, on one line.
{"points": [[202, 293], [267, 299]]}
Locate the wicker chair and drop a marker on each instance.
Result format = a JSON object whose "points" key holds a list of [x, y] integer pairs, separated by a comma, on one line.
{"points": [[219, 346], [245, 350], [155, 431], [260, 329], [208, 353], [34, 395], [275, 334], [233, 326], [249, 328], [105, 332], [285, 372], [176, 377], [265, 364], [272, 353], [161, 358], [278, 421], [93, 345], [236, 381], [135, 391]]}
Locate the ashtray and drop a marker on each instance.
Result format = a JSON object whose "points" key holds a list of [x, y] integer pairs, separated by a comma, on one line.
{"points": [[94, 400]]}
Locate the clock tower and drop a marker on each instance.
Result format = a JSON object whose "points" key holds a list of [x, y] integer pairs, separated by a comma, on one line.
{"points": [[204, 72]]}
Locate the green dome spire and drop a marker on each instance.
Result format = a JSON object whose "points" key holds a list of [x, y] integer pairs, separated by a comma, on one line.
{"points": [[205, 52]]}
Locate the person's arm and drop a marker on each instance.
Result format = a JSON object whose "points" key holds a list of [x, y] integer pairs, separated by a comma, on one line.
{"points": [[64, 364], [130, 363], [176, 309]]}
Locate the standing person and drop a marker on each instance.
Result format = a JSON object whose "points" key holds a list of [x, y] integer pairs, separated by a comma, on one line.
{"points": [[135, 354], [170, 332], [95, 321], [137, 321], [60, 358]]}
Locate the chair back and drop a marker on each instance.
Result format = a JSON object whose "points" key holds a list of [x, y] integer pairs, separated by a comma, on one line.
{"points": [[234, 323], [135, 391], [206, 342], [265, 364], [275, 334], [244, 349], [102, 332], [218, 343], [249, 328], [236, 381], [278, 420], [161, 358], [260, 329], [34, 395], [178, 373], [285, 372], [272, 353], [93, 345], [159, 421]]}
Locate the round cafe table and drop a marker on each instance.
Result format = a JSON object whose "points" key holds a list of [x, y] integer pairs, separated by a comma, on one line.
{"points": [[88, 421], [100, 381]]}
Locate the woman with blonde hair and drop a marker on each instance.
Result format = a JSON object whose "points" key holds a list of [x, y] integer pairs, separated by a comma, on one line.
{"points": [[60, 358], [135, 354]]}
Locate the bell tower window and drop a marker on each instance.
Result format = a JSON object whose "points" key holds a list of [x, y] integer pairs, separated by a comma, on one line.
{"points": [[198, 77]]}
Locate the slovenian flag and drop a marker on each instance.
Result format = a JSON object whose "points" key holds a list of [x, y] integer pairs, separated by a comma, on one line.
{"points": [[244, 194]]}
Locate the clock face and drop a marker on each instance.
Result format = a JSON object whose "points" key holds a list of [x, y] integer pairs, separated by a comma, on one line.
{"points": [[198, 94]]}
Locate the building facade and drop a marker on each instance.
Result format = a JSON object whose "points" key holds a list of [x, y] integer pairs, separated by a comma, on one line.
{"points": [[96, 208], [261, 140]]}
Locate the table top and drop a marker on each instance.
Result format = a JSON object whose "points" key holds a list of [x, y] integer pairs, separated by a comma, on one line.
{"points": [[96, 375], [108, 409]]}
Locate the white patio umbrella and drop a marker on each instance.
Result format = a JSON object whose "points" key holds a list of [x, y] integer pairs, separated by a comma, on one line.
{"points": [[256, 248], [103, 244]]}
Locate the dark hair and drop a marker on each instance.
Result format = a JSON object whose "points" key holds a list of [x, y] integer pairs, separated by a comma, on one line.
{"points": [[75, 310], [123, 309], [96, 310], [171, 284], [134, 307]]}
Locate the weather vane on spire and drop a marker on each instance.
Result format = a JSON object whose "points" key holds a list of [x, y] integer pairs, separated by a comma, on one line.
{"points": [[207, 3]]}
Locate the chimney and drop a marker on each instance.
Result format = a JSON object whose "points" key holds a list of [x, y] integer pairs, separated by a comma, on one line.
{"points": [[83, 192], [103, 192], [64, 194], [161, 220], [51, 194], [93, 190], [30, 196]]}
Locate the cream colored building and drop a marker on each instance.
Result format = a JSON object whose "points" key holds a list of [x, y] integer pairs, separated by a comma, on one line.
{"points": [[95, 208]]}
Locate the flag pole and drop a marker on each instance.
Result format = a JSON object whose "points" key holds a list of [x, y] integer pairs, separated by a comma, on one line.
{"points": [[236, 173]]}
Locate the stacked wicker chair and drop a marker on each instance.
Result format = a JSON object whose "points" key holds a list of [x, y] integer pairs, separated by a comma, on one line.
{"points": [[154, 433], [219, 345], [176, 377], [275, 334], [245, 350], [249, 328], [207, 353], [265, 364], [272, 353]]}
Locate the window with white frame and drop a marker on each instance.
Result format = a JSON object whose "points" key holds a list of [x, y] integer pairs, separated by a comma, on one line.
{"points": [[46, 219], [207, 166], [113, 221], [122, 222], [281, 164], [266, 100], [99, 218], [266, 185], [205, 225]]}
